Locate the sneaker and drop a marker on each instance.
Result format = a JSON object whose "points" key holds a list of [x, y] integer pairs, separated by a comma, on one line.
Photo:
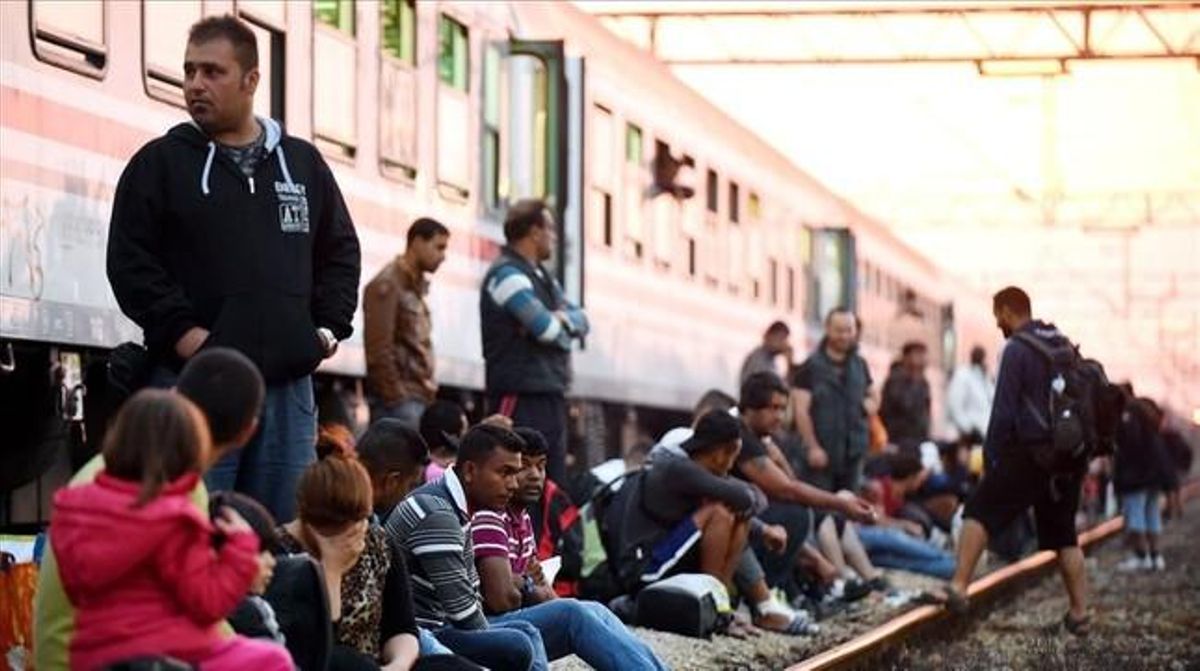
{"points": [[1135, 563], [1159, 563]]}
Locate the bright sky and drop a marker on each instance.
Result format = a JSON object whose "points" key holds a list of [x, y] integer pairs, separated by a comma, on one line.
{"points": [[948, 158]]}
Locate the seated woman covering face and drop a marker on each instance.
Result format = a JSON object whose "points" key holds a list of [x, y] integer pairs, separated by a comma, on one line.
{"points": [[368, 583]]}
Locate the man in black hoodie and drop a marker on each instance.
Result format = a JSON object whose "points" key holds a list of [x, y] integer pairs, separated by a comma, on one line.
{"points": [[227, 232], [1012, 481]]}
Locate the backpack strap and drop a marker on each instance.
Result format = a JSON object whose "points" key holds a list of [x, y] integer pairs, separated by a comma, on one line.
{"points": [[1037, 344]]}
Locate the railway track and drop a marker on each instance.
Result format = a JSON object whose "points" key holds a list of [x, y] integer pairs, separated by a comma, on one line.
{"points": [[912, 626]]}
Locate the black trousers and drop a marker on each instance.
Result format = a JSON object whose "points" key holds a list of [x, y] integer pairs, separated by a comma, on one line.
{"points": [[546, 413]]}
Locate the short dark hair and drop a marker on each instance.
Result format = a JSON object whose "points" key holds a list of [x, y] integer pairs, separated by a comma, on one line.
{"points": [[426, 229], [901, 466], [229, 27], [713, 399], [390, 445], [522, 217], [227, 387], [842, 310], [535, 442], [441, 425], [978, 354], [1013, 298], [778, 328], [260, 520], [484, 439], [913, 346], [758, 390]]}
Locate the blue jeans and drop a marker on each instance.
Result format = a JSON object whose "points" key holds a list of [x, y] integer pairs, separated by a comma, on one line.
{"points": [[586, 629], [511, 646], [429, 645], [268, 467], [1141, 511], [892, 548], [408, 411]]}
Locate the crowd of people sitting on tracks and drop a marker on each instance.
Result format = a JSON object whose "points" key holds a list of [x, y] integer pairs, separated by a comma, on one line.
{"points": [[226, 523]]}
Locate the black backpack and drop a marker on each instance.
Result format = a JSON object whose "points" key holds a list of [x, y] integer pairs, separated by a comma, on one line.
{"points": [[1084, 408]]}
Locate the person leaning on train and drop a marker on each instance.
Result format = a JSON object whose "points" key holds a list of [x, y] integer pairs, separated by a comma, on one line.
{"points": [[227, 231], [397, 329]]}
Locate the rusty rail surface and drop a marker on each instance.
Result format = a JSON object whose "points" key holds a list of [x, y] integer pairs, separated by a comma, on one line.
{"points": [[888, 634]]}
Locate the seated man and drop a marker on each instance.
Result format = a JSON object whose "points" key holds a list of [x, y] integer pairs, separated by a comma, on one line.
{"points": [[229, 390], [514, 588], [764, 400], [430, 528], [684, 514]]}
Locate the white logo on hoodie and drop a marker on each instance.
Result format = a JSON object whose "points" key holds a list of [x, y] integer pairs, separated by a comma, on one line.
{"points": [[293, 207]]}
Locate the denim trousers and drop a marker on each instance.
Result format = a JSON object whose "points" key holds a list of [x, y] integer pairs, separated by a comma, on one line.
{"points": [[511, 646], [586, 629], [892, 548]]}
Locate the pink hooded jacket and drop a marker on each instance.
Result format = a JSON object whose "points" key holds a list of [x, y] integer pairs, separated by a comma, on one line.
{"points": [[145, 580]]}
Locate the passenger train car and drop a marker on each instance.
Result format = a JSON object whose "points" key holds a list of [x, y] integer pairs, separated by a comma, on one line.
{"points": [[683, 234]]}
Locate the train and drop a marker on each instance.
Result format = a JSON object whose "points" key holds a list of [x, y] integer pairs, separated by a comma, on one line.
{"points": [[682, 233]]}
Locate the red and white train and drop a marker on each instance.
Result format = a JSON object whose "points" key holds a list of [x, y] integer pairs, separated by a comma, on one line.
{"points": [[683, 233]]}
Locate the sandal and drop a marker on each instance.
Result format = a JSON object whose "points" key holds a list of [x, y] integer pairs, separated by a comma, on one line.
{"points": [[1077, 627], [956, 602]]}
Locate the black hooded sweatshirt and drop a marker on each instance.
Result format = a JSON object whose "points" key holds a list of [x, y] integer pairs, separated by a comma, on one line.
{"points": [[261, 262]]}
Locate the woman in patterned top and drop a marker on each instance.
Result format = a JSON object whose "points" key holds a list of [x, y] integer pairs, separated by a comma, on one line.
{"points": [[368, 584]]}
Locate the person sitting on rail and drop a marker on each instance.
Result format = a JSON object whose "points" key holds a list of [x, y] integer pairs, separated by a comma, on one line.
{"points": [[515, 589], [684, 514], [229, 391], [430, 526], [762, 405], [136, 557]]}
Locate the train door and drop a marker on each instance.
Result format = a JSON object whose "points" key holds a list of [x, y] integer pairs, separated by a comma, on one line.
{"points": [[833, 281], [546, 103]]}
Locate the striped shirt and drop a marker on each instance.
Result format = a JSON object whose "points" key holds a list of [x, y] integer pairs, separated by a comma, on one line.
{"points": [[507, 534], [512, 290], [430, 528]]}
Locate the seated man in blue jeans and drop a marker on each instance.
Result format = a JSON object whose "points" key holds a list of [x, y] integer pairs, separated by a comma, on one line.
{"points": [[515, 590], [429, 528]]}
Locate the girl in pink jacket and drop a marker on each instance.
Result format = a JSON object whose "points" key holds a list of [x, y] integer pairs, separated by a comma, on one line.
{"points": [[136, 556]]}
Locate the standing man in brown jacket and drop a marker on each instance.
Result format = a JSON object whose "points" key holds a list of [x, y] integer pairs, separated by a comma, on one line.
{"points": [[397, 327]]}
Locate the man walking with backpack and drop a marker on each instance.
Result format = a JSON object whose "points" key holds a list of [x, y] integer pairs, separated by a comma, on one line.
{"points": [[1022, 438]]}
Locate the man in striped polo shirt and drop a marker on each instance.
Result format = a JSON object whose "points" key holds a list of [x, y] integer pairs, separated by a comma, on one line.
{"points": [[514, 589], [430, 527]]}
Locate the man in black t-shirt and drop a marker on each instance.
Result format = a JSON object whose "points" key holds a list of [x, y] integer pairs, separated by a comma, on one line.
{"points": [[832, 394], [763, 403]]}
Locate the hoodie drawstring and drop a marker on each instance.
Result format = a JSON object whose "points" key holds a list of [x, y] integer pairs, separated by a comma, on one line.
{"points": [[212, 150], [287, 176]]}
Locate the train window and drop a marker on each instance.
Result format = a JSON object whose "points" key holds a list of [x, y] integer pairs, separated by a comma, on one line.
{"points": [[338, 14], [633, 144], [495, 174], [754, 206], [691, 243], [268, 97], [398, 89], [773, 281], [712, 187], [165, 26], [334, 72], [601, 171], [398, 29], [267, 12], [734, 202], [70, 34], [453, 52]]}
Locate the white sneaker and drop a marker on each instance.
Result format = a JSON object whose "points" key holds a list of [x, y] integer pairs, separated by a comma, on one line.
{"points": [[1158, 563], [1135, 563]]}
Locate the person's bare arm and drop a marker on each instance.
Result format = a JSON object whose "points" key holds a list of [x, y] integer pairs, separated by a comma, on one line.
{"points": [[779, 487], [776, 454], [500, 592]]}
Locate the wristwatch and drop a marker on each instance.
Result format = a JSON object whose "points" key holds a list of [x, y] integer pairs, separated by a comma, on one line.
{"points": [[328, 342]]}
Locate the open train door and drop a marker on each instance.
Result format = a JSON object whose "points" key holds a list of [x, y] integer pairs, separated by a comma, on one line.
{"points": [[833, 281], [547, 102]]}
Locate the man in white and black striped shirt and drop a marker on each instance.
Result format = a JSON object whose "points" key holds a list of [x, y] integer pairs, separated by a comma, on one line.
{"points": [[431, 528]]}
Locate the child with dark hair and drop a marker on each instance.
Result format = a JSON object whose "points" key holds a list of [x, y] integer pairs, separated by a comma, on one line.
{"points": [[254, 616], [228, 389], [136, 557], [443, 425]]}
